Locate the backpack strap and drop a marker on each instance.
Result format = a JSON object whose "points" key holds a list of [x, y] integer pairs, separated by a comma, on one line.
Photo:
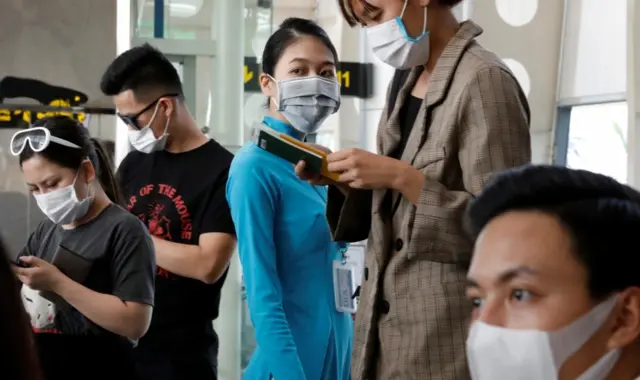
{"points": [[399, 77]]}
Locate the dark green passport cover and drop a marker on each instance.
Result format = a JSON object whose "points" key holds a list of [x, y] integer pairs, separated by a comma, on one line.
{"points": [[288, 151]]}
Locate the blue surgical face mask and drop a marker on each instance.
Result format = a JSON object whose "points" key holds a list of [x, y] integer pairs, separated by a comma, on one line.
{"points": [[307, 102], [392, 44]]}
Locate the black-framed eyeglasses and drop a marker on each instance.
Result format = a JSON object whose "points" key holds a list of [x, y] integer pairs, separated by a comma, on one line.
{"points": [[132, 120]]}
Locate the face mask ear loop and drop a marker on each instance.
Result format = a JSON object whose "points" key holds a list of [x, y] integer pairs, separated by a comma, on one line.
{"points": [[76, 179], [166, 126], [424, 23], [404, 8], [273, 99], [153, 117]]}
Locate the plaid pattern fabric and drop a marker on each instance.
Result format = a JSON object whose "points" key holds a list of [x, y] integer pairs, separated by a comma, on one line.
{"points": [[413, 316]]}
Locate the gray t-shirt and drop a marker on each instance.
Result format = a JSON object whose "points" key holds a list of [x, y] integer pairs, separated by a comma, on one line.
{"points": [[122, 258]]}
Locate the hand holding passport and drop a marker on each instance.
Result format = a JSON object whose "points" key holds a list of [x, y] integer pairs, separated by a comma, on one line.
{"points": [[294, 151]]}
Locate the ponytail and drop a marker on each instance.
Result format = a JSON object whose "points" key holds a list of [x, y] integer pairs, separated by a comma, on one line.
{"points": [[105, 173]]}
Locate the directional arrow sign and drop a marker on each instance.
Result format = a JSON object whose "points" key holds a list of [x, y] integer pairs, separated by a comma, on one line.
{"points": [[248, 75], [251, 71]]}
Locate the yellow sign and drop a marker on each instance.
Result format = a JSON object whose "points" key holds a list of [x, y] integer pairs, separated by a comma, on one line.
{"points": [[248, 75], [344, 78], [11, 116], [355, 78]]}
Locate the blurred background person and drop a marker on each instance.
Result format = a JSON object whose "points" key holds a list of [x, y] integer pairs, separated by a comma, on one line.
{"points": [[285, 244], [19, 360], [554, 277], [88, 270]]}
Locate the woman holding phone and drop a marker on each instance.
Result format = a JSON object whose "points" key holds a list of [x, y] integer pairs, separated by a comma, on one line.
{"points": [[87, 271]]}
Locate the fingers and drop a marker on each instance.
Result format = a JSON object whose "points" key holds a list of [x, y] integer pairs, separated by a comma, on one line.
{"points": [[32, 261], [340, 166], [23, 279], [300, 168], [320, 148], [347, 176], [347, 159], [305, 175], [341, 155], [20, 271], [351, 180]]}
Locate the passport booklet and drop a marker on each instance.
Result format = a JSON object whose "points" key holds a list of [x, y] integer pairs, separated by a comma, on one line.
{"points": [[292, 150]]}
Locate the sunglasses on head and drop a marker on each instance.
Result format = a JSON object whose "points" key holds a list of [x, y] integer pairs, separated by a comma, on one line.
{"points": [[38, 139], [132, 120]]}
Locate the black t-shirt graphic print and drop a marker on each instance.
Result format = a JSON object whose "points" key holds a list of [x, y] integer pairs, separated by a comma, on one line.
{"points": [[165, 213], [180, 196]]}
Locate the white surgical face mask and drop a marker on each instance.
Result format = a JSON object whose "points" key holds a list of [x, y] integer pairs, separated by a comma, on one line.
{"points": [[501, 353], [145, 141], [62, 206], [307, 102], [393, 46]]}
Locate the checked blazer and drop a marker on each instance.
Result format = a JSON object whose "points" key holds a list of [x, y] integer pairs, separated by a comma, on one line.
{"points": [[413, 317]]}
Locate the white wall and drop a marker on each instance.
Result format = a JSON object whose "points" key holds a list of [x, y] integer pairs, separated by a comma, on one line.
{"points": [[68, 43], [528, 34]]}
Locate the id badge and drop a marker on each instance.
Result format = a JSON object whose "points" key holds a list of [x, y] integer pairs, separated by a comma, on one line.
{"points": [[344, 286]]}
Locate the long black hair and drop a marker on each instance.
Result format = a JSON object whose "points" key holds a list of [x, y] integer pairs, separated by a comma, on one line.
{"points": [[69, 129]]}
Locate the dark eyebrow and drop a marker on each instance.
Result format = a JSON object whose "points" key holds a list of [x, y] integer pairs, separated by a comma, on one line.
{"points": [[368, 7], [369, 10], [507, 275], [325, 63]]}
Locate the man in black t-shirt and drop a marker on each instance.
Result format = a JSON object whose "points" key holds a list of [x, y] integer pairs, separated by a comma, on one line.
{"points": [[175, 183]]}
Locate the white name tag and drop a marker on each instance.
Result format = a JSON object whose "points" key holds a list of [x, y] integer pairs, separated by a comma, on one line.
{"points": [[344, 286]]}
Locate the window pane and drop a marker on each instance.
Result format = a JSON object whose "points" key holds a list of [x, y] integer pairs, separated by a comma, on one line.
{"points": [[595, 49], [598, 139], [183, 19]]}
